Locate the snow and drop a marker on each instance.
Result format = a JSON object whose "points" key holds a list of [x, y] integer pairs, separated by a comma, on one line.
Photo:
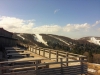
{"points": [[40, 39], [91, 70], [21, 36], [94, 40], [59, 39]]}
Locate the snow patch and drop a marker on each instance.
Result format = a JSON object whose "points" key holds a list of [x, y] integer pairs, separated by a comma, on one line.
{"points": [[40, 39], [59, 39], [91, 70], [95, 40], [21, 36]]}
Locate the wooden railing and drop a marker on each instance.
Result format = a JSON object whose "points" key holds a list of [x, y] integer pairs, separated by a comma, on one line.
{"points": [[77, 69], [67, 55], [63, 67]]}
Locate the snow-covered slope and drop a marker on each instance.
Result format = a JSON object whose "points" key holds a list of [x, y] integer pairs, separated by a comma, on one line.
{"points": [[60, 39], [21, 36], [39, 39], [95, 40]]}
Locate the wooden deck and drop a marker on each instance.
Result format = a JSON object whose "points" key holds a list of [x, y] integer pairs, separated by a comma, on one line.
{"points": [[23, 59], [14, 50], [14, 54], [7, 48], [72, 70], [51, 63], [63, 69]]}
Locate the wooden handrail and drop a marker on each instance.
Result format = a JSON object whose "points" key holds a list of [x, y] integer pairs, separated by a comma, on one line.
{"points": [[60, 53], [77, 55], [36, 60], [38, 64]]}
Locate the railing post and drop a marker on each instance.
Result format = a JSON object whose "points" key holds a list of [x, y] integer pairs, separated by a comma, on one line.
{"points": [[32, 49], [36, 65], [81, 63], [57, 56], [66, 58], [49, 54], [39, 51], [61, 60], [44, 52], [35, 50], [29, 48]]}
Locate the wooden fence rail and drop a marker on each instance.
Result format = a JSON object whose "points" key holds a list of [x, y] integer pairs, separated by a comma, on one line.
{"points": [[63, 69], [58, 53], [5, 66]]}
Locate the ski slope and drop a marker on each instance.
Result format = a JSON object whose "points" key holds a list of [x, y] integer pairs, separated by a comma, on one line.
{"points": [[60, 39], [40, 39], [21, 36]]}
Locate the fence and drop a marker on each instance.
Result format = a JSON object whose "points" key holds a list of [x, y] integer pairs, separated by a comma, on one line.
{"points": [[61, 65], [62, 69]]}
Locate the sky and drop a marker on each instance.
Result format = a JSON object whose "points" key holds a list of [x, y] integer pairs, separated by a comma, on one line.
{"points": [[71, 18]]}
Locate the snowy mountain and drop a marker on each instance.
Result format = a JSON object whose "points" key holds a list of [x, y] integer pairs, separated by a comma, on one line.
{"points": [[57, 42], [39, 38], [92, 39]]}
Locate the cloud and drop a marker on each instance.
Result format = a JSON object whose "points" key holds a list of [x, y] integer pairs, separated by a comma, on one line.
{"points": [[15, 24], [27, 26], [56, 11], [76, 27], [47, 29], [96, 23], [18, 25]]}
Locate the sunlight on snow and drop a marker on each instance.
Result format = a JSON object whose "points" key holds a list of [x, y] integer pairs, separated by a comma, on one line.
{"points": [[40, 39]]}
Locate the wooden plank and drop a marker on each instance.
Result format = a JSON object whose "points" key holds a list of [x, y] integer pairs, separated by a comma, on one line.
{"points": [[7, 48], [46, 59], [23, 59], [14, 50], [70, 71], [17, 54], [21, 68], [8, 67]]}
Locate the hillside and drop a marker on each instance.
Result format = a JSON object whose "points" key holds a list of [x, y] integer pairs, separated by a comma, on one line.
{"points": [[92, 51], [28, 39], [92, 39]]}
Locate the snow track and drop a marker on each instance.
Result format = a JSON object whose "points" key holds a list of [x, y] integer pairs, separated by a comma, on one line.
{"points": [[59, 39], [21, 36], [40, 39]]}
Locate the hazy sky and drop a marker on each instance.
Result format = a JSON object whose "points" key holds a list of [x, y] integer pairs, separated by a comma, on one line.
{"points": [[71, 18]]}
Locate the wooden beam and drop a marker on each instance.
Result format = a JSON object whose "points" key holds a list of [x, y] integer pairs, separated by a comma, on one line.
{"points": [[57, 56], [66, 59], [44, 52], [49, 54]]}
